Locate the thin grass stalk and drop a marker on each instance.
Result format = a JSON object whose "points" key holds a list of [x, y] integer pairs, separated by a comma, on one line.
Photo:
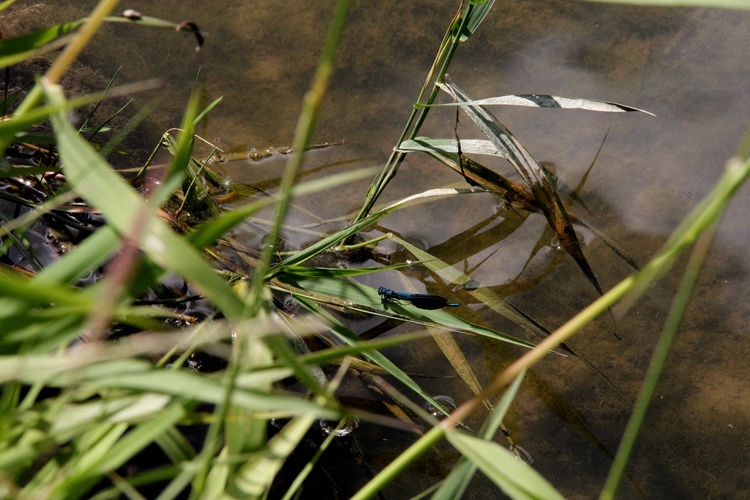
{"points": [[308, 116], [676, 313], [453, 37]]}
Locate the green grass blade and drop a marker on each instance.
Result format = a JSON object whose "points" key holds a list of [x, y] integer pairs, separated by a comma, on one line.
{"points": [[104, 460], [360, 297], [345, 335], [303, 134], [475, 16], [254, 478], [514, 477]]}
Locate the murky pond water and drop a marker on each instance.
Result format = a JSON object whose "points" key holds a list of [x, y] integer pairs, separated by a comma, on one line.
{"points": [[688, 66]]}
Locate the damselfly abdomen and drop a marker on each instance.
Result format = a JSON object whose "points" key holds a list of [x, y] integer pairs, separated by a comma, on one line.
{"points": [[420, 300]]}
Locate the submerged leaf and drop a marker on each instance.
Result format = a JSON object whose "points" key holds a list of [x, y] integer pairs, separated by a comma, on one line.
{"points": [[445, 151]]}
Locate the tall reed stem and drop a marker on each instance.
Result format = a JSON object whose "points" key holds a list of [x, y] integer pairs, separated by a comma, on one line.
{"points": [[417, 117]]}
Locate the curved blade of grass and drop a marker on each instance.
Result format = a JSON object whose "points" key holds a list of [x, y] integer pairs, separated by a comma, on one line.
{"points": [[323, 356], [254, 478], [352, 294], [141, 377], [303, 134], [454, 485], [533, 174], [474, 17], [548, 101], [326, 243], [107, 459], [514, 477], [335, 272]]}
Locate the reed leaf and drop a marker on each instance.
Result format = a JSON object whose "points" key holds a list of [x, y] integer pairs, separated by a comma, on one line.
{"points": [[475, 15], [356, 296], [533, 174], [254, 478], [547, 101]]}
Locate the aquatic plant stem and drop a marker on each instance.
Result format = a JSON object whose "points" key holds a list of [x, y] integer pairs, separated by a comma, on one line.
{"points": [[677, 311], [305, 125]]}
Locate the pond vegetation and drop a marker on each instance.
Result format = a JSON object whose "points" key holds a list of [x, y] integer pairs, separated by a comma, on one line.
{"points": [[148, 349]]}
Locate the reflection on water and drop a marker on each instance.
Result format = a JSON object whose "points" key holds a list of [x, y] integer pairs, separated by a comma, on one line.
{"points": [[688, 66]]}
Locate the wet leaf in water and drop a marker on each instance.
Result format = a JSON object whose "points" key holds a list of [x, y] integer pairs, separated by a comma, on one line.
{"points": [[533, 175]]}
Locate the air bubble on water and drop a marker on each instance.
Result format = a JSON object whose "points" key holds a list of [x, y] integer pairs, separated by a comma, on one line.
{"points": [[472, 284], [521, 454], [555, 243], [329, 427], [445, 401]]}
